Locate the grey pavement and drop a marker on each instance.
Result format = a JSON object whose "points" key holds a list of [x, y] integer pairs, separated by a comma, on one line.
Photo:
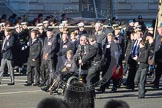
{"points": [[20, 96]]}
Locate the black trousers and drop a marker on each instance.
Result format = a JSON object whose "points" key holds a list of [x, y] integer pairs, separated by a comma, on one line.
{"points": [[158, 73], [33, 73], [107, 82], [132, 72]]}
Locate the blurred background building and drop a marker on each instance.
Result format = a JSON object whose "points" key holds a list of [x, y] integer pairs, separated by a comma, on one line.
{"points": [[121, 9]]}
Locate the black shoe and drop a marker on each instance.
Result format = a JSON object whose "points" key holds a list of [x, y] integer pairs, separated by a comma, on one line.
{"points": [[114, 89], [28, 84], [11, 83], [45, 89], [28, 81], [125, 84], [41, 84], [128, 87], [36, 84]]}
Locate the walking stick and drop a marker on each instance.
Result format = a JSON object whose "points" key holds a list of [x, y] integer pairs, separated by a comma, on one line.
{"points": [[50, 88], [55, 81]]}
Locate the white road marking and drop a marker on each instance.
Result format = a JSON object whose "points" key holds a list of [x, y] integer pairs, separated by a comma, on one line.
{"points": [[10, 79], [19, 92]]}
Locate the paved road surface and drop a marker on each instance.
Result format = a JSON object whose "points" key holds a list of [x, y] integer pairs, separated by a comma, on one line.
{"points": [[19, 96]]}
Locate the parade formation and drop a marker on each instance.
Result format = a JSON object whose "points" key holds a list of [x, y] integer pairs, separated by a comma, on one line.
{"points": [[78, 56]]}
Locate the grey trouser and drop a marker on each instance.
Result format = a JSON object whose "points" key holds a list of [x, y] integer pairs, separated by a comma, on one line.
{"points": [[93, 74], [47, 72], [10, 69], [140, 81]]}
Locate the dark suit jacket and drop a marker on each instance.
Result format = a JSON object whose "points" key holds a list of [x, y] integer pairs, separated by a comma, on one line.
{"points": [[157, 43], [128, 49], [7, 51], [58, 37], [113, 51], [94, 55], [158, 55], [143, 58], [82, 51], [64, 47], [80, 33], [34, 52], [50, 47]]}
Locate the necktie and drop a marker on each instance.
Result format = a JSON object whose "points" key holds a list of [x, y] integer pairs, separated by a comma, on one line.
{"points": [[134, 48]]}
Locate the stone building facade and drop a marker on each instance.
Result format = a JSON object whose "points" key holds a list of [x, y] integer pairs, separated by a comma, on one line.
{"points": [[122, 9]]}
